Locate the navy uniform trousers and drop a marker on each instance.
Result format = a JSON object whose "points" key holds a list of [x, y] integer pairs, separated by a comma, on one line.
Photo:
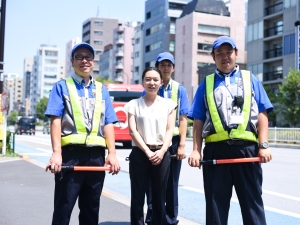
{"points": [[86, 186], [245, 177], [141, 171], [172, 187]]}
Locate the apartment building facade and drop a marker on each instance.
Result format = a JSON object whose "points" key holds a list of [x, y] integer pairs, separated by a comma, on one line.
{"points": [[106, 64], [68, 65], [273, 39], [13, 85], [138, 53], [160, 27], [98, 32], [46, 70], [199, 25]]}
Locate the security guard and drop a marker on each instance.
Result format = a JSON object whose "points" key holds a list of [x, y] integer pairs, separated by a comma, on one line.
{"points": [[230, 112], [82, 120], [171, 89]]}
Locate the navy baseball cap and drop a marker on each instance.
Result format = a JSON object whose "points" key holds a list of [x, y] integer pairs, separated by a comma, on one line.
{"points": [[223, 40], [165, 56], [82, 45]]}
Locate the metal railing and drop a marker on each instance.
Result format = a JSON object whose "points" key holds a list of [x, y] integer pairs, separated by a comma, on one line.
{"points": [[276, 135]]}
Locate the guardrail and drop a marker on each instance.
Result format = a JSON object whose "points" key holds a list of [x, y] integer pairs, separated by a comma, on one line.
{"points": [[276, 135]]}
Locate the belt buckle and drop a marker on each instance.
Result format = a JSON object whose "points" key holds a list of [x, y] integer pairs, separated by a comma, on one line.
{"points": [[230, 142], [153, 147]]}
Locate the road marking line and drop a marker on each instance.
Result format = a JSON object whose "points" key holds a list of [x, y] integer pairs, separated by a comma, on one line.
{"points": [[281, 195], [37, 154], [266, 207]]}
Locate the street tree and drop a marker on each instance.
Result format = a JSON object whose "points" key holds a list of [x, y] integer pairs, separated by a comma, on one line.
{"points": [[11, 120], [272, 96], [104, 81], [289, 97], [40, 109]]}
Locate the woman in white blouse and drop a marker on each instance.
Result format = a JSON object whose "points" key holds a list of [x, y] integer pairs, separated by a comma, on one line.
{"points": [[151, 120]]}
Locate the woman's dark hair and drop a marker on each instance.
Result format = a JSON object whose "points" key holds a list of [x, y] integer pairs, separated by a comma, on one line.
{"points": [[149, 69]]}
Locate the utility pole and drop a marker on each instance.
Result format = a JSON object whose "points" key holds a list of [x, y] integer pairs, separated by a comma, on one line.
{"points": [[2, 34]]}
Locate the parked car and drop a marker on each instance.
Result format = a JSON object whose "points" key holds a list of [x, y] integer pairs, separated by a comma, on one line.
{"points": [[46, 128], [25, 125]]}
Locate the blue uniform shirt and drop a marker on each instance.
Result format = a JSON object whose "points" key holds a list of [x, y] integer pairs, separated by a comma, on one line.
{"points": [[56, 104], [184, 102], [198, 109]]}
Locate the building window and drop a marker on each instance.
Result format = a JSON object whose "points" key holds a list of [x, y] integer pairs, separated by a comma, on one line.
{"points": [[98, 23], [51, 53], [172, 46], [154, 12], [137, 41], [98, 52], [136, 69], [255, 31], [257, 70], [289, 44], [99, 33], [136, 54], [289, 3], [153, 46], [172, 28], [213, 30], [98, 42], [204, 47]]}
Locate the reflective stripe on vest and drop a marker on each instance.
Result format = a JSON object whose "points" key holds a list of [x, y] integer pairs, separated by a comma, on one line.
{"points": [[239, 133], [175, 98], [82, 137]]}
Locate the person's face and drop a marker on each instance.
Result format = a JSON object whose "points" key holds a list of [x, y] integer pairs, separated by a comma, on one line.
{"points": [[152, 81], [166, 68], [225, 58], [82, 66]]}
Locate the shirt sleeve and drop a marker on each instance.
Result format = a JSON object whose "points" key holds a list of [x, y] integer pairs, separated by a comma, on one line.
{"points": [[260, 96], [184, 102], [171, 104], [198, 109], [110, 115], [56, 105], [130, 106]]}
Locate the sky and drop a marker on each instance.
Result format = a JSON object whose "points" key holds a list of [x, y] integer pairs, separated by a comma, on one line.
{"points": [[30, 23]]}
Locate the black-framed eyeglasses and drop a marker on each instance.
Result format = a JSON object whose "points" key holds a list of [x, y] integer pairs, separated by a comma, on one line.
{"points": [[81, 57]]}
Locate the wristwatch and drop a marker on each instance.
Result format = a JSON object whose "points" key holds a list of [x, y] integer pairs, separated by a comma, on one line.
{"points": [[264, 145]]}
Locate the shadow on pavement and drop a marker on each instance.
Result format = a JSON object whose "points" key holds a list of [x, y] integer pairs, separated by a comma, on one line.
{"points": [[114, 223]]}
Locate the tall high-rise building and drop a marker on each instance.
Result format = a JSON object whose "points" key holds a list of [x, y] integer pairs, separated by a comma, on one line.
{"points": [[106, 63], [123, 49], [46, 71], [138, 53], [159, 27], [273, 39], [200, 23], [68, 66], [27, 69], [98, 32]]}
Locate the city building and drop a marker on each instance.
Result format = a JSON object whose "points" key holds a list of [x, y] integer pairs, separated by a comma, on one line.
{"points": [[200, 23], [106, 64], [68, 65], [273, 39], [27, 70], [123, 50], [138, 53], [98, 32], [159, 28], [46, 70], [13, 85]]}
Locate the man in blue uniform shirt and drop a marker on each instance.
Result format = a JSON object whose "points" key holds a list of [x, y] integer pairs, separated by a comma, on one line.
{"points": [[230, 112], [82, 120]]}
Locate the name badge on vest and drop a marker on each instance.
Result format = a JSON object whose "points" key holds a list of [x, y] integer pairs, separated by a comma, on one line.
{"points": [[234, 119]]}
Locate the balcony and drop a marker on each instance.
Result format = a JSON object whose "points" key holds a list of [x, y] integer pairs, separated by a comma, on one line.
{"points": [[119, 66], [120, 41], [119, 53], [278, 7], [274, 75], [274, 31], [276, 52]]}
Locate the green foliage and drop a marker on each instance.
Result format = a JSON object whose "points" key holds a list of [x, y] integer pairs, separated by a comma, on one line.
{"points": [[289, 97], [11, 120], [272, 97], [103, 80], [40, 109]]}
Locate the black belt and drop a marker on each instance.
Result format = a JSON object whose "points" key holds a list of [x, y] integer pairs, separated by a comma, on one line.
{"points": [[236, 142], [154, 147]]}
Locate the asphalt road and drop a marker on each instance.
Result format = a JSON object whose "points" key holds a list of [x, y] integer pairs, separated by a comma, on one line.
{"points": [[281, 188]]}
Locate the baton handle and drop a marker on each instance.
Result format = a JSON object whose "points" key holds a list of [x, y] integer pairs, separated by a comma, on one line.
{"points": [[84, 168], [227, 161]]}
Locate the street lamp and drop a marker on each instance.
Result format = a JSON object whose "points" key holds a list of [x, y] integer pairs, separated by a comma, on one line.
{"points": [[128, 78]]}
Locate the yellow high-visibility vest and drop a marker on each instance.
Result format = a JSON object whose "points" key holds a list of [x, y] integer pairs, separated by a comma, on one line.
{"points": [[175, 98], [240, 132], [82, 137]]}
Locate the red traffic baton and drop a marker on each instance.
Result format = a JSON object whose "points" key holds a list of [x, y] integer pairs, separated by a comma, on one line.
{"points": [[227, 161], [84, 168]]}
